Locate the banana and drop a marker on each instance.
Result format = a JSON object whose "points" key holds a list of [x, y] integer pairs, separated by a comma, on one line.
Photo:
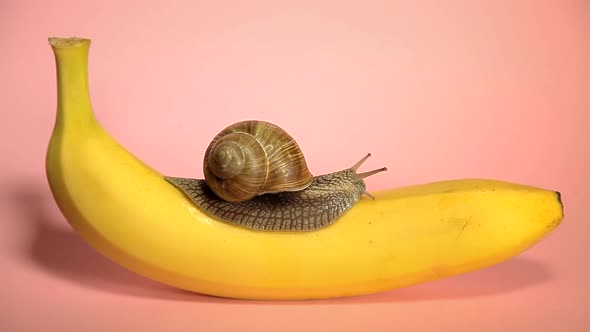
{"points": [[128, 212]]}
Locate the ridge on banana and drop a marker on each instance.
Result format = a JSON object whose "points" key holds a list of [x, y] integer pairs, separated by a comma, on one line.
{"points": [[127, 211]]}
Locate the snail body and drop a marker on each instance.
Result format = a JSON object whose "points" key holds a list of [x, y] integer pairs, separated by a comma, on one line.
{"points": [[257, 177]]}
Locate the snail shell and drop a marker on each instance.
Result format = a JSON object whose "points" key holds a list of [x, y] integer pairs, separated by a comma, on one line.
{"points": [[252, 158]]}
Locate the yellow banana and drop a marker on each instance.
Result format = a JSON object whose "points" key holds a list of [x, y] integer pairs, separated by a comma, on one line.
{"points": [[128, 212]]}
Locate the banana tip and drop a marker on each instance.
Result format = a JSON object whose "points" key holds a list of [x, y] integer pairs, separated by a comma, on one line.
{"points": [[558, 194]]}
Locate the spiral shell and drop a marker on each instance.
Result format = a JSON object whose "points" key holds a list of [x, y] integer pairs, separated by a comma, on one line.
{"points": [[251, 158]]}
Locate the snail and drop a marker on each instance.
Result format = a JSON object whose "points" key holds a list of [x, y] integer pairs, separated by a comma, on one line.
{"points": [[257, 177]]}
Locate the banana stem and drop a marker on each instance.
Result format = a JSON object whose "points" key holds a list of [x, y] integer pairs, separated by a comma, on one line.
{"points": [[73, 101]]}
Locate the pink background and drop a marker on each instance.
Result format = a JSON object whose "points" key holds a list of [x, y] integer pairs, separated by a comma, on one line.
{"points": [[435, 90]]}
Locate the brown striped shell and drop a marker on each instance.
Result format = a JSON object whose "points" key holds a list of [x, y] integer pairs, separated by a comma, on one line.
{"points": [[252, 158]]}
